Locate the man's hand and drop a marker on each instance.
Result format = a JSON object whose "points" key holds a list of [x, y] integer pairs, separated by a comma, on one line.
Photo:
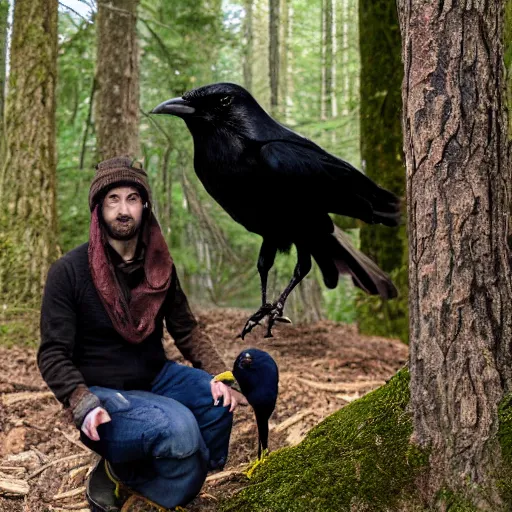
{"points": [[230, 396], [91, 422]]}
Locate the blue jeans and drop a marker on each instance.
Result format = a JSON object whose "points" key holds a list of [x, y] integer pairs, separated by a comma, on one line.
{"points": [[161, 443]]}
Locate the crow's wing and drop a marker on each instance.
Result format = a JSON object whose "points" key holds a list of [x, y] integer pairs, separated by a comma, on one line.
{"points": [[306, 172]]}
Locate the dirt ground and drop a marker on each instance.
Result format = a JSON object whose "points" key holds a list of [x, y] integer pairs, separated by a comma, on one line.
{"points": [[322, 368]]}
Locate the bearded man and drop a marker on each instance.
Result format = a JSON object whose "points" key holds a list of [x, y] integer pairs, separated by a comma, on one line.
{"points": [[156, 424]]}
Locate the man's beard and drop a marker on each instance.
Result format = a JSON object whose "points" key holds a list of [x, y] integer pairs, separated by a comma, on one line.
{"points": [[122, 228]]}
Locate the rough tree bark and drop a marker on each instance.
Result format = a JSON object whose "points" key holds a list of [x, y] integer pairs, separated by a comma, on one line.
{"points": [[28, 220], [273, 50], [327, 59], [117, 75], [458, 179], [381, 153]]}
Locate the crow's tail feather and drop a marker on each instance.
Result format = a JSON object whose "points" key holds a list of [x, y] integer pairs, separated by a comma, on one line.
{"points": [[336, 255]]}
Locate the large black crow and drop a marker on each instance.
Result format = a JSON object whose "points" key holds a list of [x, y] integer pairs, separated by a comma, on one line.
{"points": [[282, 186]]}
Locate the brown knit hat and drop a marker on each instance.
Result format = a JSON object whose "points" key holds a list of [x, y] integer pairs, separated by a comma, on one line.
{"points": [[121, 169]]}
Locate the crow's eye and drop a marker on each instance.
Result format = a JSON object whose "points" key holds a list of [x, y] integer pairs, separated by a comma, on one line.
{"points": [[226, 101]]}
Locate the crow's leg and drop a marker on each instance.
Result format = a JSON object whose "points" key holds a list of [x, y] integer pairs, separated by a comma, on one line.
{"points": [[301, 271], [265, 261]]}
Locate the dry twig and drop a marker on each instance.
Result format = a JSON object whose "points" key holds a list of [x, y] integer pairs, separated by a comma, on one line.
{"points": [[71, 440], [69, 494], [14, 486], [293, 419], [50, 464], [12, 398], [83, 506], [42, 456], [223, 475]]}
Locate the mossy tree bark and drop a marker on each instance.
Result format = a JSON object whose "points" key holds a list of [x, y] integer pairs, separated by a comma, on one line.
{"points": [[117, 75], [458, 180], [381, 153], [28, 220]]}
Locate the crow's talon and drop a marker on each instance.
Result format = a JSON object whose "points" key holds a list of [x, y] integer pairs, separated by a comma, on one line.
{"points": [[274, 312]]}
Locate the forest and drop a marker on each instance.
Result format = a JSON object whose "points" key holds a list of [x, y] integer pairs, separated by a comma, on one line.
{"points": [[413, 394]]}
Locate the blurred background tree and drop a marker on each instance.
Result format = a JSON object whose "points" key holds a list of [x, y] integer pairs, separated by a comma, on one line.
{"points": [[28, 220], [300, 59], [381, 153]]}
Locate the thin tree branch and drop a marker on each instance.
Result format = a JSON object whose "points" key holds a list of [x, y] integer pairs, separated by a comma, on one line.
{"points": [[160, 43], [75, 12], [122, 12], [157, 125]]}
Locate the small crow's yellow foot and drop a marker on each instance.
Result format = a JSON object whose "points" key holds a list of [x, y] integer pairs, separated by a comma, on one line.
{"points": [[256, 319], [253, 465]]}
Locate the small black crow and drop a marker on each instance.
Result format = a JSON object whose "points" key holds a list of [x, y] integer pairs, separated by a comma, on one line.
{"points": [[256, 373], [282, 186]]}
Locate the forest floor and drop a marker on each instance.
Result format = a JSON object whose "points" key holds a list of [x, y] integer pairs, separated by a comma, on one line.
{"points": [[322, 367]]}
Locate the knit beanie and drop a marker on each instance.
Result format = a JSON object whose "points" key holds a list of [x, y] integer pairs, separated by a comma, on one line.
{"points": [[119, 170]]}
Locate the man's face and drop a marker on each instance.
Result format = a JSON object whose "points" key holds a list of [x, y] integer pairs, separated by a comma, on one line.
{"points": [[122, 212]]}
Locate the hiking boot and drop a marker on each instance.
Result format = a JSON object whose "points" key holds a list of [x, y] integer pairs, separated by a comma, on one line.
{"points": [[132, 500], [101, 490]]}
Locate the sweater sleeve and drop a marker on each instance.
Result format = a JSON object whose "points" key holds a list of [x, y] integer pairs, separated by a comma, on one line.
{"points": [[58, 330], [195, 345]]}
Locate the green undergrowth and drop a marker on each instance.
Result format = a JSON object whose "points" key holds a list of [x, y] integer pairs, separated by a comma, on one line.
{"points": [[505, 438], [19, 327], [358, 459]]}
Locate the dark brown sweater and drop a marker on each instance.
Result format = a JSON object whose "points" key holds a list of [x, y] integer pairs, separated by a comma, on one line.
{"points": [[80, 347]]}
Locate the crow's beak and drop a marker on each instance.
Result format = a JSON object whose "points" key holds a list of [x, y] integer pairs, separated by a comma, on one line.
{"points": [[176, 107]]}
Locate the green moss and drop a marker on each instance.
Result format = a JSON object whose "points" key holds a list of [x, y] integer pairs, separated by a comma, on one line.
{"points": [[505, 438], [453, 502], [357, 459]]}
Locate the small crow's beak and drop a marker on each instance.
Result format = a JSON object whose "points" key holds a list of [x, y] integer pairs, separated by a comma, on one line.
{"points": [[175, 107]]}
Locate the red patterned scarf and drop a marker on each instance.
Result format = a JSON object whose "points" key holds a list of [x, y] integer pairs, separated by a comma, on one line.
{"points": [[134, 321]]}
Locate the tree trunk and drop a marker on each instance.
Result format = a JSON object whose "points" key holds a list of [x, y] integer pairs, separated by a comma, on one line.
{"points": [[334, 54], [117, 74], [289, 89], [458, 179], [261, 47], [248, 44], [507, 51], [345, 72], [327, 59], [274, 55], [4, 26], [381, 153], [28, 221], [283, 57]]}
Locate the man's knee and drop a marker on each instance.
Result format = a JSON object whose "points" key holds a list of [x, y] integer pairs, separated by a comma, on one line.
{"points": [[176, 436]]}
